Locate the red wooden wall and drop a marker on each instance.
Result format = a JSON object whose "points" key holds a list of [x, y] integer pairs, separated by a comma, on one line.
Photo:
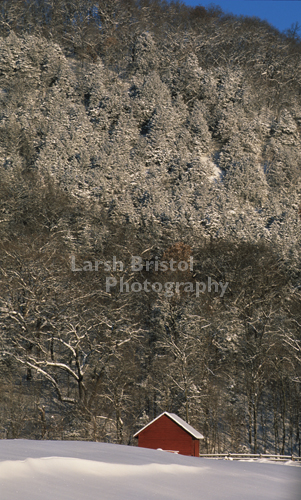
{"points": [[166, 434]]}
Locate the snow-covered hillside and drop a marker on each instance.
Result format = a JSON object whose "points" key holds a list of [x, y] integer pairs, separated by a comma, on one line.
{"points": [[149, 133], [46, 470]]}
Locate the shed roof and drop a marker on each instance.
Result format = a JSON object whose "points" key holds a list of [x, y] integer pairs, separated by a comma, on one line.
{"points": [[178, 420]]}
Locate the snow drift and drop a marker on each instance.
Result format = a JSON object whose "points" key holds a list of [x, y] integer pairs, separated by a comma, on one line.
{"points": [[43, 470]]}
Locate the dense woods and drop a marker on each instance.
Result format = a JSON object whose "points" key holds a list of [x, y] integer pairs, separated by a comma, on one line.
{"points": [[169, 133]]}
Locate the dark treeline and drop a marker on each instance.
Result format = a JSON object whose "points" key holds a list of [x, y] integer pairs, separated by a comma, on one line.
{"points": [[172, 133]]}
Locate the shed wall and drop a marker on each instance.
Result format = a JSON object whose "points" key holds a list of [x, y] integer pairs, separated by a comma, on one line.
{"points": [[166, 434]]}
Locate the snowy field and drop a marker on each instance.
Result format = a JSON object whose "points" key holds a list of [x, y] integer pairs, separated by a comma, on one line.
{"points": [[69, 470]]}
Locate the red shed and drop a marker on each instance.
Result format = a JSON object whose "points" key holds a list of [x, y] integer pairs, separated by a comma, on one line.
{"points": [[171, 433]]}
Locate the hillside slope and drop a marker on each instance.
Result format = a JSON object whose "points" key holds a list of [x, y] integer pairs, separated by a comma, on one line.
{"points": [[173, 135]]}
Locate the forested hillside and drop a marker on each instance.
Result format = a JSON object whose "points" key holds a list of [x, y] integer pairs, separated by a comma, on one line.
{"points": [[169, 133]]}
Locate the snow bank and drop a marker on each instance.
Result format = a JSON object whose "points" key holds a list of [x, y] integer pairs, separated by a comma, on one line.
{"points": [[47, 470]]}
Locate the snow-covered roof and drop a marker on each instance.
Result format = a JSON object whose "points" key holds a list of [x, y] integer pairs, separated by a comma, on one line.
{"points": [[177, 420]]}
